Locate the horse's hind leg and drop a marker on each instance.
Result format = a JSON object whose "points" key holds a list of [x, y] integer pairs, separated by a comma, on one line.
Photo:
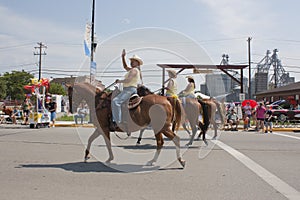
{"points": [[186, 129], [160, 143], [215, 130], [140, 136]]}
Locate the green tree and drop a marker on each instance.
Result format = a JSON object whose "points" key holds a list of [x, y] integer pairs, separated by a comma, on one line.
{"points": [[2, 88], [56, 88], [15, 82]]}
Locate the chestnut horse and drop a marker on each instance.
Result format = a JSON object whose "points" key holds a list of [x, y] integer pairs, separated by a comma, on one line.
{"points": [[154, 110], [193, 108]]}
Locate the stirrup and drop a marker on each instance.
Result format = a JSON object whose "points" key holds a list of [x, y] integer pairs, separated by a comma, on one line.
{"points": [[113, 126]]}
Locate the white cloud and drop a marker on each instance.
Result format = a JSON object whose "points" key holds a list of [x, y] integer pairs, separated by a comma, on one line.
{"points": [[126, 21], [64, 44], [238, 18]]}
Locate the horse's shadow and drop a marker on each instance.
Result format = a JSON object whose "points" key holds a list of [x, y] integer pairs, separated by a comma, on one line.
{"points": [[83, 167]]}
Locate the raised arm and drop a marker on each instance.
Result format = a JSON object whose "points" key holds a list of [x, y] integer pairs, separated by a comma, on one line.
{"points": [[124, 61]]}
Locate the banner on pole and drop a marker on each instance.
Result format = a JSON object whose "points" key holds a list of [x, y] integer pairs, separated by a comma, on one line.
{"points": [[93, 71]]}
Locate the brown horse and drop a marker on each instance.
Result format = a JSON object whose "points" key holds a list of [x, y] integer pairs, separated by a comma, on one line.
{"points": [[154, 110], [193, 108]]}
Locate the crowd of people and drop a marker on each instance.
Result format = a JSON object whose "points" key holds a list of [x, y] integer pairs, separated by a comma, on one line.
{"points": [[21, 113], [259, 116]]}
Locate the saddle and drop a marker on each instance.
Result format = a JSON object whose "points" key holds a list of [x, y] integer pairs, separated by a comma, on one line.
{"points": [[134, 101]]}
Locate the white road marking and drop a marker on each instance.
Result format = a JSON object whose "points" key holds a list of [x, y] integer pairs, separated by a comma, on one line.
{"points": [[284, 135], [279, 185]]}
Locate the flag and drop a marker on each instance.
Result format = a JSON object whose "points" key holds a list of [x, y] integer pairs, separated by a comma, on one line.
{"points": [[87, 40], [86, 49]]}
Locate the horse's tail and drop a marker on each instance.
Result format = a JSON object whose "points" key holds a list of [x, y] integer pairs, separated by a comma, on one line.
{"points": [[177, 112], [221, 109], [205, 115]]}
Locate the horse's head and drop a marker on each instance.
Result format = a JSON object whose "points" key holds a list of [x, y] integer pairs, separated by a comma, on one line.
{"points": [[79, 92], [143, 91]]}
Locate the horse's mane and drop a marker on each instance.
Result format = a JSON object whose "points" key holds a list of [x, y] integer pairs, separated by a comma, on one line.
{"points": [[143, 90]]}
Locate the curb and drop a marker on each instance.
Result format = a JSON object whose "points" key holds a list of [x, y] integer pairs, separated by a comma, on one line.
{"points": [[92, 126]]}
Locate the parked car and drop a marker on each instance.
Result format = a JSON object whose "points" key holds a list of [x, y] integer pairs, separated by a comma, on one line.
{"points": [[283, 114]]}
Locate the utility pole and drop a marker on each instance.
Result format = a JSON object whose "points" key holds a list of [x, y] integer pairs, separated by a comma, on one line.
{"points": [[39, 53], [93, 65], [249, 63]]}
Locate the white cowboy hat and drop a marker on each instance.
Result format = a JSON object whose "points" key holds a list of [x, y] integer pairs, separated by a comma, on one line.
{"points": [[189, 77], [172, 73], [137, 58]]}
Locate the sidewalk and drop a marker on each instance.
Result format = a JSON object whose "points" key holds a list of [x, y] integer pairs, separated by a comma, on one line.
{"points": [[275, 129], [72, 124], [89, 125]]}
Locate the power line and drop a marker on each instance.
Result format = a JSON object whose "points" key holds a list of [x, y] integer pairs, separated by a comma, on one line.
{"points": [[16, 46], [40, 47]]}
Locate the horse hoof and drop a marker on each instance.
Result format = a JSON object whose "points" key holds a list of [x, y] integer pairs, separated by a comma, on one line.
{"points": [[108, 160], [188, 144], [214, 138], [138, 143], [150, 163], [87, 157], [205, 142], [182, 162], [128, 134]]}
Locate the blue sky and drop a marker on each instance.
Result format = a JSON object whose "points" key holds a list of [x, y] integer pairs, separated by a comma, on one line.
{"points": [[173, 26]]}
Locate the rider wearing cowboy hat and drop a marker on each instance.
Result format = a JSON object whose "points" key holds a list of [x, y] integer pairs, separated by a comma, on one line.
{"points": [[172, 84], [130, 83], [190, 88]]}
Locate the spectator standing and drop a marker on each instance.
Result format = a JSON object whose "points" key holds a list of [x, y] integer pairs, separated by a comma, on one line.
{"points": [[47, 102], [260, 116], [248, 113], [268, 120], [63, 104], [231, 105], [52, 110], [26, 110]]}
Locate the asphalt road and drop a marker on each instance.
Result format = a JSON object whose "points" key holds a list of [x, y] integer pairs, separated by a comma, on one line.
{"points": [[48, 164]]}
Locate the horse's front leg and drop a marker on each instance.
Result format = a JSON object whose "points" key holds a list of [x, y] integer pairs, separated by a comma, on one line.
{"points": [[159, 143], [95, 134], [194, 131], [106, 137]]}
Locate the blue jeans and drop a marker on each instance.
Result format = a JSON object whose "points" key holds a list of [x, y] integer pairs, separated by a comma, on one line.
{"points": [[81, 116], [119, 100], [52, 116]]}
